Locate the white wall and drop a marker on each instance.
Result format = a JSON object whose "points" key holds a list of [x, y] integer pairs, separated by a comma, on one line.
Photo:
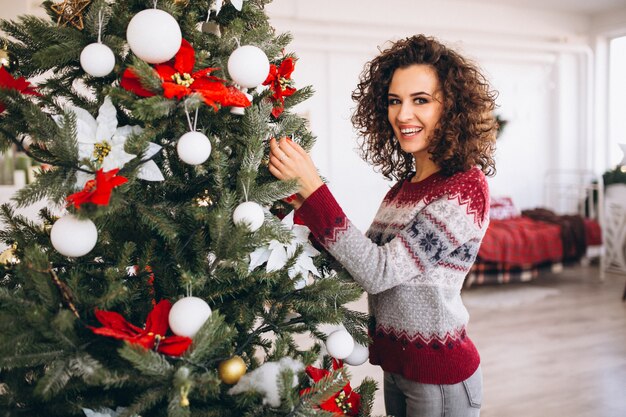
{"points": [[9, 9], [539, 61]]}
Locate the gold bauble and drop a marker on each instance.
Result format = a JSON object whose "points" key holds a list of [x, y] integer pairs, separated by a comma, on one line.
{"points": [[231, 370], [8, 257], [5, 60]]}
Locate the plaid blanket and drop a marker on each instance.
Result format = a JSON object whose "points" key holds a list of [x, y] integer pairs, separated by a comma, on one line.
{"points": [[499, 273]]}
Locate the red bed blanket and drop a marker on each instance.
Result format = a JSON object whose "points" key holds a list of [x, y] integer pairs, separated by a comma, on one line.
{"points": [[572, 227], [521, 241]]}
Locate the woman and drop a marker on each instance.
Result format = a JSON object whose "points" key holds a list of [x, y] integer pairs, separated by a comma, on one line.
{"points": [[425, 114]]}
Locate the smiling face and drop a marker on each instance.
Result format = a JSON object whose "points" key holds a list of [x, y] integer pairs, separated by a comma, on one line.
{"points": [[414, 108]]}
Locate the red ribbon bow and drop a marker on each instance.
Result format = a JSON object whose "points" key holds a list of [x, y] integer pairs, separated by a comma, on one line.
{"points": [[178, 81], [344, 402], [97, 191], [152, 336], [20, 84], [279, 80]]}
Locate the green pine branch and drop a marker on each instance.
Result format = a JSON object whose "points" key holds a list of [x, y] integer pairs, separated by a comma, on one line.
{"points": [[146, 361]]}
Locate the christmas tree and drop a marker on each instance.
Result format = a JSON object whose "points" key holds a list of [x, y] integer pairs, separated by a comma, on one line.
{"points": [[167, 276]]}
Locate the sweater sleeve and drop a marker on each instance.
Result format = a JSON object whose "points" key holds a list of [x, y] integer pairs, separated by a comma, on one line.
{"points": [[438, 231]]}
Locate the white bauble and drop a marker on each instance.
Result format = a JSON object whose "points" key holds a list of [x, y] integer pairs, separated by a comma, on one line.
{"points": [[193, 148], [360, 354], [97, 60], [250, 214], [240, 111], [73, 237], [154, 36], [188, 315], [248, 66], [339, 344]]}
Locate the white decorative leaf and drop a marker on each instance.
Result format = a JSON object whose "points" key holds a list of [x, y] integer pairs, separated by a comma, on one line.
{"points": [[152, 150], [265, 380], [305, 263], [237, 3], [117, 158], [104, 412], [258, 258], [300, 233], [276, 254], [278, 257], [121, 134], [86, 125], [107, 121], [81, 179], [149, 171]]}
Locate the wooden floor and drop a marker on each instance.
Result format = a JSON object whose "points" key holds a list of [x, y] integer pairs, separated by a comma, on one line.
{"points": [[563, 355]]}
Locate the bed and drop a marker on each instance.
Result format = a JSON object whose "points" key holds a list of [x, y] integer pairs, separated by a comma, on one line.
{"points": [[519, 245]]}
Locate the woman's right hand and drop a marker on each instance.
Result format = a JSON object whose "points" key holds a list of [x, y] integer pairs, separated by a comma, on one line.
{"points": [[289, 161]]}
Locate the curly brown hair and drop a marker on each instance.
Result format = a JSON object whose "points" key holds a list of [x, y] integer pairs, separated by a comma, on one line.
{"points": [[465, 135]]}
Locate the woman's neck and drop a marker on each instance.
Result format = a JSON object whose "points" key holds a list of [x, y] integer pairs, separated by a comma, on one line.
{"points": [[424, 168]]}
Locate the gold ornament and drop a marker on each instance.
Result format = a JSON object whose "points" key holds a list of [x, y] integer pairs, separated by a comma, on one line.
{"points": [[185, 80], [8, 256], [204, 200], [231, 370], [184, 395], [5, 60], [70, 11], [101, 150]]}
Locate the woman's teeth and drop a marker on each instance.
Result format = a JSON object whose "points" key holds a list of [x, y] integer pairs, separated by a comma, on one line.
{"points": [[410, 131]]}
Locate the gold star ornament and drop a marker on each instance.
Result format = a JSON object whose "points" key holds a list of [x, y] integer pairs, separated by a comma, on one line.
{"points": [[71, 12]]}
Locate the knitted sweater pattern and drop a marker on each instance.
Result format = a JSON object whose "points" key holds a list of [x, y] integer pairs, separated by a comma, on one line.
{"points": [[412, 262]]}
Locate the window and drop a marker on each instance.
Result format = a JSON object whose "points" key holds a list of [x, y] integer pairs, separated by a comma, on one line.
{"points": [[617, 99]]}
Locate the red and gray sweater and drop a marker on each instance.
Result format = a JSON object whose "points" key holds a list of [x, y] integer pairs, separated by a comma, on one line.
{"points": [[412, 262]]}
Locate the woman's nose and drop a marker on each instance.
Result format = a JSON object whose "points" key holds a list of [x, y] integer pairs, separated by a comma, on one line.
{"points": [[405, 113]]}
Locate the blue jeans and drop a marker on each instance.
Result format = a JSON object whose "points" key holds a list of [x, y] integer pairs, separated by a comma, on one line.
{"points": [[405, 398]]}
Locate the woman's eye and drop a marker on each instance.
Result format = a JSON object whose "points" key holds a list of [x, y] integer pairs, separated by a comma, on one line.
{"points": [[420, 100], [393, 101]]}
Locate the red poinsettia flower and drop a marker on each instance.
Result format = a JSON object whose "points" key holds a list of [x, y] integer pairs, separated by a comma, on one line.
{"points": [[178, 81], [152, 336], [20, 84], [97, 191], [344, 402], [279, 80]]}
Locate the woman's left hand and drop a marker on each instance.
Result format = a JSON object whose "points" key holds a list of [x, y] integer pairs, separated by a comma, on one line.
{"points": [[289, 161]]}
